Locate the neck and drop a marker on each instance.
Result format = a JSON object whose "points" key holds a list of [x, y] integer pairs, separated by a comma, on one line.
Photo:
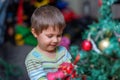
{"points": [[50, 54]]}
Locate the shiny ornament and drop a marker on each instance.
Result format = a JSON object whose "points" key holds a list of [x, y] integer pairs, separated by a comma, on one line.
{"points": [[86, 45], [108, 33], [104, 44]]}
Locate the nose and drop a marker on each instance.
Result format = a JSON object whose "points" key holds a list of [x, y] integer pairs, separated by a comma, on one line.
{"points": [[55, 39]]}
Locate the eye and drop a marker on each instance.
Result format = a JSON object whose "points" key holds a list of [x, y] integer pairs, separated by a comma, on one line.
{"points": [[59, 35], [49, 36]]}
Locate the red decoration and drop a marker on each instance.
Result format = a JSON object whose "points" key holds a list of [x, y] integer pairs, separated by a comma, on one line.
{"points": [[99, 3], [76, 59], [74, 74], [66, 67], [86, 45], [69, 15], [20, 13], [84, 77], [66, 71]]}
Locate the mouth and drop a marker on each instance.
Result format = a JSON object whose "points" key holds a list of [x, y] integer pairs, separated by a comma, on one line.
{"points": [[53, 45]]}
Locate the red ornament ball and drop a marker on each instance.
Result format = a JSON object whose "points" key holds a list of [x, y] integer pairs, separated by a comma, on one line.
{"points": [[86, 45]]}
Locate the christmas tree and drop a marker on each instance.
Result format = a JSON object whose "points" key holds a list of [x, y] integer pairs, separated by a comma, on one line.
{"points": [[100, 49]]}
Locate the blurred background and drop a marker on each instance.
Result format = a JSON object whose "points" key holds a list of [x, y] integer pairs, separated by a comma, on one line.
{"points": [[93, 31]]}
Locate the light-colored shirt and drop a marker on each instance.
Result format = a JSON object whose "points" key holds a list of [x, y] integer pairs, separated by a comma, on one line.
{"points": [[38, 65]]}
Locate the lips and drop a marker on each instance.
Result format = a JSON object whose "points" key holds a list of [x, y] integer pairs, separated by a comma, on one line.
{"points": [[53, 45]]}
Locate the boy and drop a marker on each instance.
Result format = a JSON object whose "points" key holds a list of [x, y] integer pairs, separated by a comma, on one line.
{"points": [[47, 25]]}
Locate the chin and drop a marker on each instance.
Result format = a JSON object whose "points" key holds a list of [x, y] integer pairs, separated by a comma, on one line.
{"points": [[52, 50]]}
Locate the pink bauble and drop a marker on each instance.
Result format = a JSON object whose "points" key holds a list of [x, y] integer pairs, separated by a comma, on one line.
{"points": [[65, 41]]}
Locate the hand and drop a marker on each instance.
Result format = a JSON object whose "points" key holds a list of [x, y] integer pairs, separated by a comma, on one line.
{"points": [[55, 75]]}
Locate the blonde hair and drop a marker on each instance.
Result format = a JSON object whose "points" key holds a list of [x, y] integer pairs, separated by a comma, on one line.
{"points": [[46, 16]]}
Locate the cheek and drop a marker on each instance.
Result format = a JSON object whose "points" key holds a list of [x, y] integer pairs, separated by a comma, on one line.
{"points": [[43, 43], [60, 39], [43, 40]]}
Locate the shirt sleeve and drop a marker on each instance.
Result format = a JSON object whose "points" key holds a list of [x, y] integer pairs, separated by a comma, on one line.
{"points": [[35, 70], [68, 56]]}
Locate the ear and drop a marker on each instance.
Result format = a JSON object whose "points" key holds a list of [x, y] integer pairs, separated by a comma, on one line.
{"points": [[34, 32]]}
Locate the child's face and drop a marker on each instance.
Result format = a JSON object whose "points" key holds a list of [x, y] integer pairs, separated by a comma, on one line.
{"points": [[49, 39]]}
